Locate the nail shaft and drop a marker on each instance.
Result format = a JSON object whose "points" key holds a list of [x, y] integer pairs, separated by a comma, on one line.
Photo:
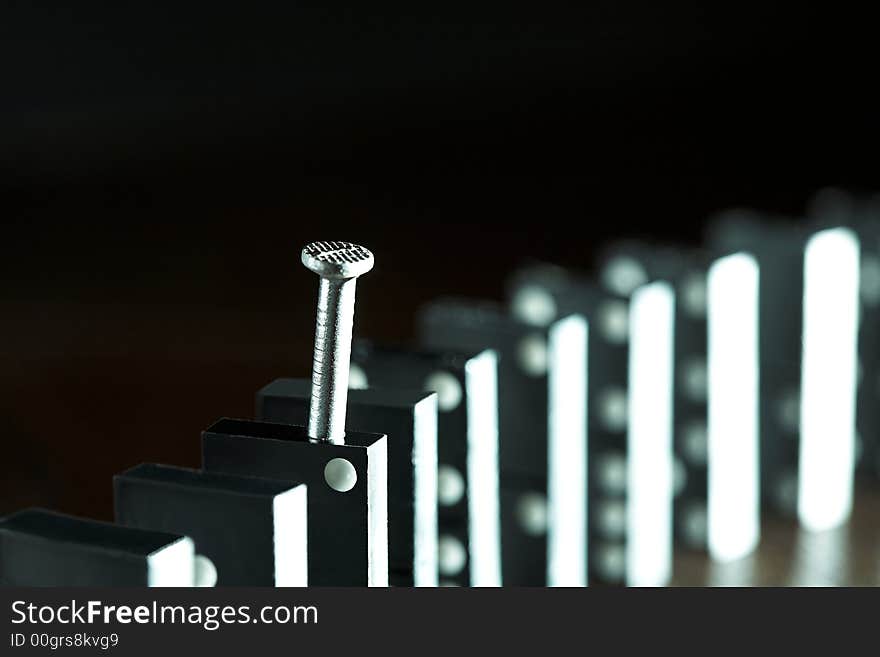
{"points": [[338, 264]]}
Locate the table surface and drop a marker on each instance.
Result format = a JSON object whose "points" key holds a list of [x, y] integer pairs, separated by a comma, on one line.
{"points": [[788, 556]]}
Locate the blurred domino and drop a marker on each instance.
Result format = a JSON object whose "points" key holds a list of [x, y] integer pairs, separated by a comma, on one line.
{"points": [[808, 318], [524, 353]]}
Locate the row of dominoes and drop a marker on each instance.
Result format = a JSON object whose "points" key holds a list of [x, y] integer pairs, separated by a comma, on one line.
{"points": [[576, 433]]}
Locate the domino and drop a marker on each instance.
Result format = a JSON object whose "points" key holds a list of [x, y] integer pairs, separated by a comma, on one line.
{"points": [[469, 547], [45, 548], [347, 491], [523, 389], [809, 289], [246, 531], [410, 420]]}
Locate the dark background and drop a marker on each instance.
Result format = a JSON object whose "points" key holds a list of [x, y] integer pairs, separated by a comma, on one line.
{"points": [[162, 165]]}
